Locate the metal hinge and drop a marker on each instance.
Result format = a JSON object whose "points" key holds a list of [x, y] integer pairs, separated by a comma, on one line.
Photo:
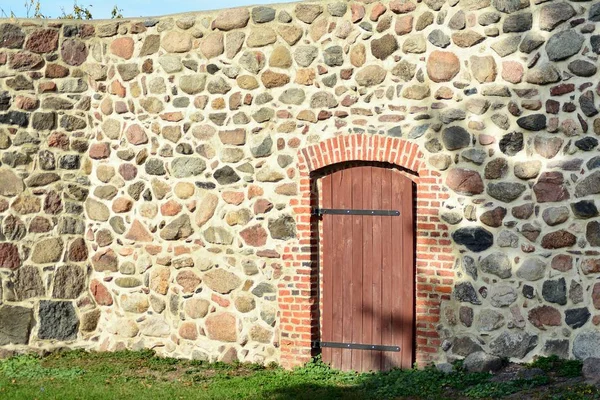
{"points": [[338, 211], [355, 346]]}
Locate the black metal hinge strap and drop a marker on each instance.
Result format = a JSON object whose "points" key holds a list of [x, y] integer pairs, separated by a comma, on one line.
{"points": [[356, 346], [339, 211]]}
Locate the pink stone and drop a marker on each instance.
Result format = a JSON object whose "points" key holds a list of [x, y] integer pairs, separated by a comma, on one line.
{"points": [[235, 198], [74, 52], [442, 66], [262, 206], [128, 171], [135, 135], [138, 232], [99, 151], [122, 47], [544, 316], [9, 256], [100, 293], [404, 24], [42, 41], [121, 205], [464, 181], [596, 296], [222, 327], [358, 12], [562, 262], [255, 236], [170, 208], [402, 6], [188, 330], [377, 11], [188, 280], [512, 71]]}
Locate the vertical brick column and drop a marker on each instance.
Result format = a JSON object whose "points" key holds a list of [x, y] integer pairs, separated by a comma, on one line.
{"points": [[298, 291]]}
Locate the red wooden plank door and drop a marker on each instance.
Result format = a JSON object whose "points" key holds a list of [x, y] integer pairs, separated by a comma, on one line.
{"points": [[367, 269]]}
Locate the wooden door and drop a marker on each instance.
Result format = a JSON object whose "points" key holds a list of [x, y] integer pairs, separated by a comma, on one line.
{"points": [[368, 269]]}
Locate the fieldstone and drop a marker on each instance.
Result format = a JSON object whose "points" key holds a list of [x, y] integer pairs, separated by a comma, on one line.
{"points": [[563, 45], [584, 209], [482, 362], [589, 185], [592, 233], [264, 288], [307, 13], [255, 236], [370, 75], [532, 269], [73, 52], [139, 233], [261, 36], [513, 344], [582, 68], [222, 327], [527, 169], [178, 229], [16, 321], [244, 303], [231, 19], [467, 38], [155, 326], [465, 292], [177, 42], [554, 14], [555, 291], [558, 239], [521, 22], [226, 175], [282, 228], [281, 57], [260, 334], [543, 74], [439, 39], [502, 295], [384, 47], [442, 66], [135, 303], [151, 45], [47, 251], [290, 33], [507, 45], [105, 260], [543, 316], [490, 320], [96, 210], [192, 84], [305, 55], [188, 280], [218, 235], [483, 68], [415, 44], [221, 281], [11, 36], [12, 185], [464, 346], [555, 215], [184, 167], [196, 308], [464, 181], [476, 239], [293, 96], [497, 264], [69, 282], [587, 345], [505, 191], [28, 283], [534, 122], [58, 320], [577, 317]]}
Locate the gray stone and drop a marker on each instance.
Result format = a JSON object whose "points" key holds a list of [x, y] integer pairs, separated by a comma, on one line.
{"points": [[155, 166], [323, 100], [589, 185], [497, 264], [563, 45], [506, 191], [463, 346], [261, 15], [305, 55], [28, 283], [475, 239], [490, 320], [226, 175], [192, 84], [283, 228], [293, 96], [438, 38], [521, 22], [577, 317], [555, 215], [554, 14], [482, 362], [184, 167], [69, 282], [587, 345], [513, 344], [555, 291], [533, 122], [465, 292], [15, 324], [218, 235], [531, 41], [337, 9], [455, 137], [334, 56], [502, 295], [532, 269], [11, 36], [558, 348], [264, 288], [252, 62], [591, 370], [507, 45], [178, 229], [58, 320], [264, 147]]}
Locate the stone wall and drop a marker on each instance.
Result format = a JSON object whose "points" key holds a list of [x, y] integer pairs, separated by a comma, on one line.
{"points": [[152, 172]]}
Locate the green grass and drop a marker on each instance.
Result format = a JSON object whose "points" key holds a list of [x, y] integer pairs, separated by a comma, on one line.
{"points": [[141, 375]]}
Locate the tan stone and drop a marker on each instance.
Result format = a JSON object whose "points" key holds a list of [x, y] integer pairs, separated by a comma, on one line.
{"points": [[222, 327], [96, 210], [442, 66], [159, 279], [260, 334], [138, 232], [358, 55], [135, 303], [290, 33], [206, 208], [188, 280], [188, 330], [483, 68], [231, 19], [184, 190], [196, 308], [176, 42], [280, 57], [261, 36], [212, 45], [221, 281], [247, 82], [305, 76], [370, 75], [274, 79]]}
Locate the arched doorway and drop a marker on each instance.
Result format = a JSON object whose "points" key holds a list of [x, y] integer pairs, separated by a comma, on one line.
{"points": [[366, 230]]}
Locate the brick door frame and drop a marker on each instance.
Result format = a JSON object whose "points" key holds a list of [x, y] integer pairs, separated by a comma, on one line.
{"points": [[298, 291]]}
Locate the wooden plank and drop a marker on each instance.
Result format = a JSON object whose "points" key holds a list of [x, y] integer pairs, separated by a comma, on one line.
{"points": [[336, 267], [397, 273], [357, 266], [345, 202], [327, 271], [367, 274], [408, 268], [386, 270], [377, 178]]}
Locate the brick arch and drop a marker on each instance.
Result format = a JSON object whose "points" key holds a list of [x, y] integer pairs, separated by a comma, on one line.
{"points": [[298, 290]]}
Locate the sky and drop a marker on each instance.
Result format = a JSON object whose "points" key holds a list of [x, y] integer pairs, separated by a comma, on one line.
{"points": [[131, 8]]}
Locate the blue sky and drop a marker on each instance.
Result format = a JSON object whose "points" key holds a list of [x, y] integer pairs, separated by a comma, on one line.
{"points": [[132, 8]]}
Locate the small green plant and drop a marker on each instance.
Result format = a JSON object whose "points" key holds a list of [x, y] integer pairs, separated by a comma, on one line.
{"points": [[560, 367], [29, 367]]}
